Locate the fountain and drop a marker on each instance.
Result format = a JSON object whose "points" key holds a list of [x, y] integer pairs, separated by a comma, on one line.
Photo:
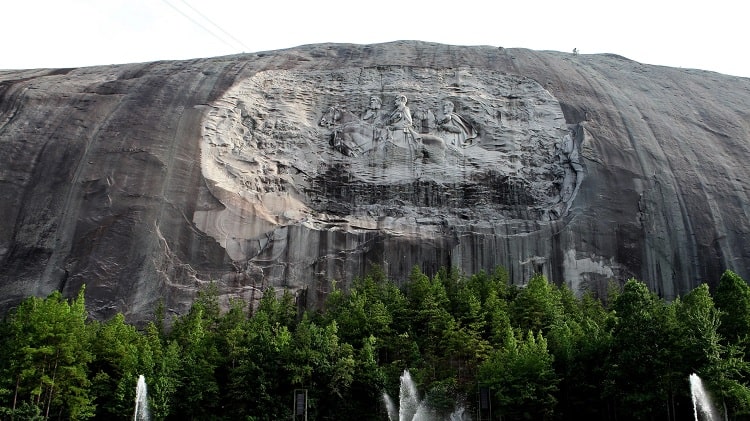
{"points": [[141, 401], [410, 408], [390, 407], [701, 400]]}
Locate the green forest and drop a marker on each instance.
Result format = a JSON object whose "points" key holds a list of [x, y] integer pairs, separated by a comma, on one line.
{"points": [[540, 351]]}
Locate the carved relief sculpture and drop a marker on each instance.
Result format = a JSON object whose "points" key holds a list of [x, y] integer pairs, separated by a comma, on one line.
{"points": [[457, 131], [493, 148]]}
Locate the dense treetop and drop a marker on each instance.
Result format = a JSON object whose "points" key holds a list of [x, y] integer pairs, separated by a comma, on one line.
{"points": [[541, 351]]}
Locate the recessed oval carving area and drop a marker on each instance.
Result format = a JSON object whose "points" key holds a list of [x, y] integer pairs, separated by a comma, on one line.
{"points": [[383, 148]]}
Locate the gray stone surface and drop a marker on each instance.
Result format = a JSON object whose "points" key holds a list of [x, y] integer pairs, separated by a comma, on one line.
{"points": [[144, 181]]}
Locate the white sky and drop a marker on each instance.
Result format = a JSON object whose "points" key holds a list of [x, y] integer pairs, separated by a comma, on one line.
{"points": [[709, 35]]}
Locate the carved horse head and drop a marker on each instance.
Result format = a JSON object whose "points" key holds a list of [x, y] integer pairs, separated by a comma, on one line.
{"points": [[336, 117], [330, 117]]}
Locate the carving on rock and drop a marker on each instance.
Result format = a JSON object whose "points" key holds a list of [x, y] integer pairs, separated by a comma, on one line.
{"points": [[354, 136], [572, 169], [400, 117], [288, 153], [372, 115], [350, 135], [458, 130]]}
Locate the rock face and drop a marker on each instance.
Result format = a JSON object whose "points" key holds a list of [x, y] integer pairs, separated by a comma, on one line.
{"points": [[292, 168]]}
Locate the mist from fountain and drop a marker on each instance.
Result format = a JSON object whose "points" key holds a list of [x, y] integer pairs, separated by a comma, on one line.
{"points": [[141, 401], [408, 400], [410, 408], [702, 401], [390, 407]]}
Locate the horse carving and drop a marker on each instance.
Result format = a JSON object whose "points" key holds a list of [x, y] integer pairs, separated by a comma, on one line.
{"points": [[350, 135]]}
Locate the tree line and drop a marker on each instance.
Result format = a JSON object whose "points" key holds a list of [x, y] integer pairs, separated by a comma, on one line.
{"points": [[539, 352]]}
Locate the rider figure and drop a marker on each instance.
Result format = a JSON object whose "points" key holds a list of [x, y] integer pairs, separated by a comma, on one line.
{"points": [[372, 114], [400, 119], [456, 128]]}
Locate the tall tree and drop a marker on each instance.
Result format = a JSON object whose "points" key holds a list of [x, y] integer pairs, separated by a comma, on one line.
{"points": [[324, 365], [164, 356], [699, 324], [537, 306], [49, 356], [115, 367], [733, 299], [580, 345], [195, 333], [522, 378], [432, 325], [720, 365], [643, 348], [361, 313], [260, 375]]}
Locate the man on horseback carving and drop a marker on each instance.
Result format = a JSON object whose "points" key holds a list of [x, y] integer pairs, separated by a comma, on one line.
{"points": [[400, 120]]}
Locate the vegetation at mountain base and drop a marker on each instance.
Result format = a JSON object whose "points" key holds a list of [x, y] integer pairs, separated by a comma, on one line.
{"points": [[540, 351]]}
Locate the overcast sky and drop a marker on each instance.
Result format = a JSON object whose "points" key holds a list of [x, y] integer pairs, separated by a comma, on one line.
{"points": [[709, 35]]}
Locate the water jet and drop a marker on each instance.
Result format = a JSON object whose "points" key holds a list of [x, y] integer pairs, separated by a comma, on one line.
{"points": [[701, 401], [411, 408], [141, 401]]}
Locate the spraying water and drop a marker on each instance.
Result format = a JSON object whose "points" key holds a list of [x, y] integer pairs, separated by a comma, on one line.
{"points": [[390, 407], [701, 401], [408, 401], [410, 408], [141, 401]]}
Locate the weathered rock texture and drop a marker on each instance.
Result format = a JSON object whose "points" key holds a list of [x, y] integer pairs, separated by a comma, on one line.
{"points": [[144, 181]]}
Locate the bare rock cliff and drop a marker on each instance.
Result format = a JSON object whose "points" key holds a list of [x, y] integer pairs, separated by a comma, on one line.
{"points": [[293, 168]]}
